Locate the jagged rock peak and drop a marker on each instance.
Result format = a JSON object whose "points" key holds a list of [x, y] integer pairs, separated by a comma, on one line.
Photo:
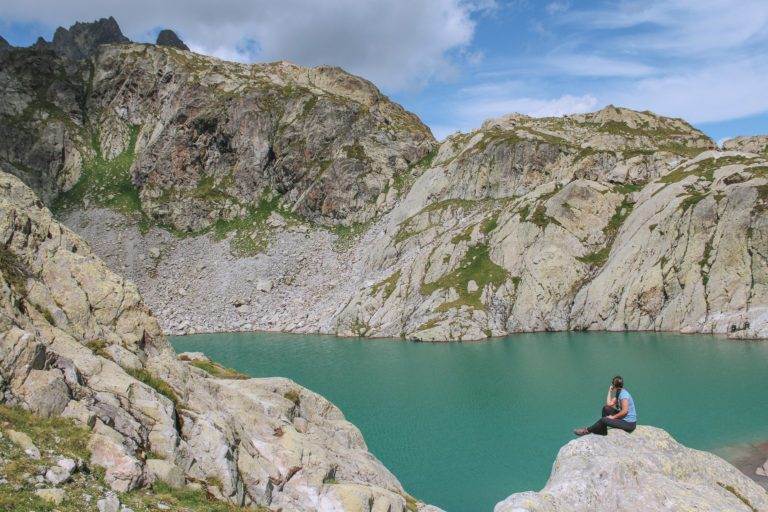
{"points": [[4, 45], [82, 39], [168, 37]]}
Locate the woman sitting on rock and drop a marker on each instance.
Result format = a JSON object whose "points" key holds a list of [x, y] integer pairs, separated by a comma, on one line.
{"points": [[618, 412]]}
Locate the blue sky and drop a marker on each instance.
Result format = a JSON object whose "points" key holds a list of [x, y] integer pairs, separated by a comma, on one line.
{"points": [[458, 62]]}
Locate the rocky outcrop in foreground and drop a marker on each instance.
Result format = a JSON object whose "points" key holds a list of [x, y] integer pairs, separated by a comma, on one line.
{"points": [[77, 341], [646, 470]]}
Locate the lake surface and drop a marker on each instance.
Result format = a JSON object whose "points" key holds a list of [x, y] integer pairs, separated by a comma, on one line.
{"points": [[465, 425]]}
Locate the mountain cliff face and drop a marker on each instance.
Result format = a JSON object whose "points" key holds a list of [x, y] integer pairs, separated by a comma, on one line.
{"points": [[303, 200], [669, 239], [77, 341], [186, 141]]}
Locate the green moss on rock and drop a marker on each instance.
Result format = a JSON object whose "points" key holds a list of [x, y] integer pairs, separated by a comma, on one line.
{"points": [[477, 266]]}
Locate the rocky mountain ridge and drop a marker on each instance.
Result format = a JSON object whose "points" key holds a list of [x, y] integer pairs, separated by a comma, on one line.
{"points": [[305, 201]]}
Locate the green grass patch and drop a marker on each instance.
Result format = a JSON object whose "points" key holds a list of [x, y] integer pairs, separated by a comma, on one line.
{"points": [[489, 224], [704, 262], [388, 285], [690, 200], [617, 219], [540, 217], [356, 152], [346, 236], [597, 258], [155, 383], [476, 265], [60, 435], [426, 160], [309, 106], [217, 370], [464, 236], [703, 169], [627, 188], [63, 438], [429, 324], [184, 499], [103, 182], [411, 503], [249, 233], [99, 347]]}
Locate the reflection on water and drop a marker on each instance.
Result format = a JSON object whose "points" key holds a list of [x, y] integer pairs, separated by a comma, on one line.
{"points": [[465, 425]]}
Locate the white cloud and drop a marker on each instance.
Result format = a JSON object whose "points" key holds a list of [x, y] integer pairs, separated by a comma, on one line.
{"points": [[398, 44], [721, 91], [557, 7], [479, 109], [596, 66], [473, 105], [681, 27], [702, 60]]}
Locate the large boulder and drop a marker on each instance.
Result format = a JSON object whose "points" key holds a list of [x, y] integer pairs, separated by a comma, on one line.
{"points": [[645, 470]]}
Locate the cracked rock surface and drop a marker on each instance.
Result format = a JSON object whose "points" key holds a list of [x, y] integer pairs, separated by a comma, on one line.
{"points": [[646, 470], [76, 340]]}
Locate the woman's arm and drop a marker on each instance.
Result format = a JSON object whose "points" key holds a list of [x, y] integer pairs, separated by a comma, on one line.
{"points": [[610, 399], [624, 410]]}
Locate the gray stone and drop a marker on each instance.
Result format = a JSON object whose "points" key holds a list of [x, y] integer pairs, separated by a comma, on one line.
{"points": [[166, 472], [54, 496], [77, 411], [24, 442], [58, 475], [264, 285], [109, 503]]}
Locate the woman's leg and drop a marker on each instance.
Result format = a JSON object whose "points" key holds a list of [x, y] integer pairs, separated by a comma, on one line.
{"points": [[599, 428], [624, 425]]}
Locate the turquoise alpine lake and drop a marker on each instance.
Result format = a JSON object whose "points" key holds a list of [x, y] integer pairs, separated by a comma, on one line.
{"points": [[463, 425]]}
